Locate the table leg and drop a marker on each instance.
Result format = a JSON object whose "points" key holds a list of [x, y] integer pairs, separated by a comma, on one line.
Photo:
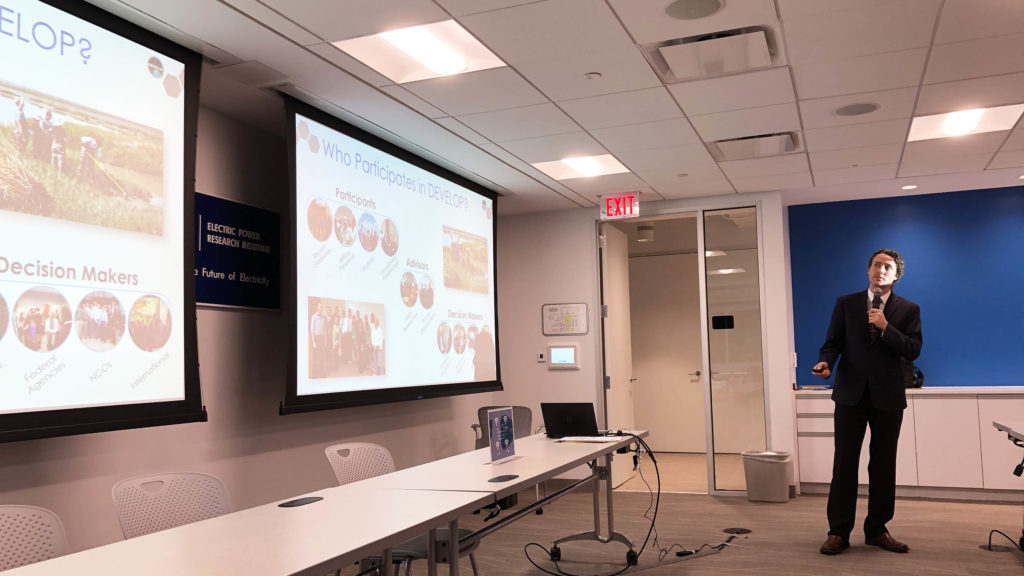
{"points": [[385, 562], [453, 547], [432, 552]]}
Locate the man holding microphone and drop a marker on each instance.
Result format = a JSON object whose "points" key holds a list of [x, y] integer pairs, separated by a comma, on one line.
{"points": [[870, 334]]}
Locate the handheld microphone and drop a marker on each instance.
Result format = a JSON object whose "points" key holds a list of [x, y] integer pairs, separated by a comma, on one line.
{"points": [[876, 302]]}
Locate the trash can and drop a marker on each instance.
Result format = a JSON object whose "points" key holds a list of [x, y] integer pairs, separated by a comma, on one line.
{"points": [[767, 476]]}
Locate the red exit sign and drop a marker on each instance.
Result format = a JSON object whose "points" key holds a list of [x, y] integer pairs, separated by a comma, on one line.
{"points": [[620, 205]]}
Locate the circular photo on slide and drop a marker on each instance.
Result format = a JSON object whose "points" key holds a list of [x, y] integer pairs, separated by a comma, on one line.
{"points": [[389, 237], [426, 292], [471, 336], [345, 226], [99, 321], [319, 218], [409, 290], [149, 322], [459, 339], [368, 233], [4, 318], [42, 319], [444, 338]]}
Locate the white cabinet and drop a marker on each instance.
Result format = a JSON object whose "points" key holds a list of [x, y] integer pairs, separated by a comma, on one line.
{"points": [[949, 442]]}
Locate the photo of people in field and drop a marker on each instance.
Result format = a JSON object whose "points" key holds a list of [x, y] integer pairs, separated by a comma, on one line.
{"points": [[62, 160], [42, 319], [344, 225], [346, 338], [465, 260]]}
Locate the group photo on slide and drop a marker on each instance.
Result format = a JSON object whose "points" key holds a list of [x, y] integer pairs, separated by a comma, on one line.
{"points": [[149, 322], [346, 338], [42, 319], [465, 261], [66, 161], [99, 321]]}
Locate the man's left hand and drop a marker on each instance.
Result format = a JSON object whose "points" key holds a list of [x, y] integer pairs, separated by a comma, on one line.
{"points": [[877, 318]]}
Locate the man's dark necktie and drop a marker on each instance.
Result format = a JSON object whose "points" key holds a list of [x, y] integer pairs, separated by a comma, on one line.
{"points": [[876, 303]]}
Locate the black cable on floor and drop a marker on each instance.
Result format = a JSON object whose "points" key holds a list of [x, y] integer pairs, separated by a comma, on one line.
{"points": [[1012, 541]]}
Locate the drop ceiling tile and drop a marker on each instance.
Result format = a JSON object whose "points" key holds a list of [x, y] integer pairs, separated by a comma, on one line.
{"points": [[515, 205], [462, 130], [686, 188], [548, 148], [519, 123], [749, 122], [856, 157], [542, 30], [1007, 159], [483, 91], [861, 31], [622, 109], [948, 155], [755, 167], [892, 104], [1015, 141], [858, 174], [332, 54], [975, 59], [974, 93], [803, 9], [761, 88], [260, 12], [857, 135], [622, 69], [973, 19], [463, 7], [690, 158], [864, 74], [647, 21], [608, 184], [335, 21], [413, 101], [661, 134], [773, 182]]}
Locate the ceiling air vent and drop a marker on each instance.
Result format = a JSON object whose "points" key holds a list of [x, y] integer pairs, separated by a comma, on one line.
{"points": [[758, 146], [709, 55]]}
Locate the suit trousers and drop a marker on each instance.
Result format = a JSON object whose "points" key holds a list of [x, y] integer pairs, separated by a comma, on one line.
{"points": [[850, 424]]}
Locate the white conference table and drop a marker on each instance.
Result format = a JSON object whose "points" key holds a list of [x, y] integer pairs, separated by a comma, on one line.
{"points": [[1015, 432], [349, 524], [352, 522]]}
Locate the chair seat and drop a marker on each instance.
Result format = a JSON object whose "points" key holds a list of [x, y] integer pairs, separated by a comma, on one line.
{"points": [[417, 547]]}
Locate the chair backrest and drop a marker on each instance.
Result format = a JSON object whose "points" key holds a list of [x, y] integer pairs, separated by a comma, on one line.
{"points": [[147, 504], [354, 461], [29, 534], [522, 418]]}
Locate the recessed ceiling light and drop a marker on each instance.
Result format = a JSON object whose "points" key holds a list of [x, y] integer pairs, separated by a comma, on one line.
{"points": [[693, 9], [421, 52], [581, 167], [910, 187], [975, 121], [1021, 177], [858, 109], [592, 75]]}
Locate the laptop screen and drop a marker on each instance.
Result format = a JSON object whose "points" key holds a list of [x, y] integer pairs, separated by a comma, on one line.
{"points": [[563, 419]]}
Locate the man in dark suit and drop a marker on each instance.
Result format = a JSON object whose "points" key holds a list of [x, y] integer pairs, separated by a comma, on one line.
{"points": [[870, 333]]}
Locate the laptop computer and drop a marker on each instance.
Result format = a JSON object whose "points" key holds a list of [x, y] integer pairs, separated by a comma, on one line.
{"points": [[562, 419]]}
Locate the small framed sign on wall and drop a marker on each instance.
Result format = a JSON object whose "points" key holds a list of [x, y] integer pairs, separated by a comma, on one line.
{"points": [[564, 319]]}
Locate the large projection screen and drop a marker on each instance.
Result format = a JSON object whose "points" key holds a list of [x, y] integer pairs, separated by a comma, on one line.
{"points": [[393, 285], [97, 164]]}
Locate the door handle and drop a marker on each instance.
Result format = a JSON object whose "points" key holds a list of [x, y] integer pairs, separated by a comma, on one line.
{"points": [[633, 379], [697, 373]]}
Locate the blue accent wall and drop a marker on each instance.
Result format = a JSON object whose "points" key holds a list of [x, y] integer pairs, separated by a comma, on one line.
{"points": [[964, 254]]}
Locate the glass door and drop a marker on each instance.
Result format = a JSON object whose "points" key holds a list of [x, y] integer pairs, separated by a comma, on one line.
{"points": [[736, 376]]}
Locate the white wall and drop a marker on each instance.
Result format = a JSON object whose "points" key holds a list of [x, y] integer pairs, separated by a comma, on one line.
{"points": [[262, 457]]}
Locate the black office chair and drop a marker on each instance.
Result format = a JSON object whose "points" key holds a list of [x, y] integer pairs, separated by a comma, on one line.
{"points": [[522, 419]]}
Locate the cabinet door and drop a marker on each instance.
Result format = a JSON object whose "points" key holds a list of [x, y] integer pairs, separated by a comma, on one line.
{"points": [[998, 454], [948, 442]]}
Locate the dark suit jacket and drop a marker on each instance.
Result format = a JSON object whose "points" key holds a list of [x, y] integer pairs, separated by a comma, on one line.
{"points": [[866, 364]]}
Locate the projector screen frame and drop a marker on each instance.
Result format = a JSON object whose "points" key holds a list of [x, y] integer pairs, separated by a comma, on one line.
{"points": [[294, 403], [71, 421]]}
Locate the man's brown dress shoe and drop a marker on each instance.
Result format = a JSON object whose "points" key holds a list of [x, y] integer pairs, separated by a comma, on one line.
{"points": [[834, 545], [886, 542]]}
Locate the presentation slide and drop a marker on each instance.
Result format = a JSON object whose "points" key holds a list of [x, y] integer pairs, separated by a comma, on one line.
{"points": [[92, 303], [395, 272]]}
